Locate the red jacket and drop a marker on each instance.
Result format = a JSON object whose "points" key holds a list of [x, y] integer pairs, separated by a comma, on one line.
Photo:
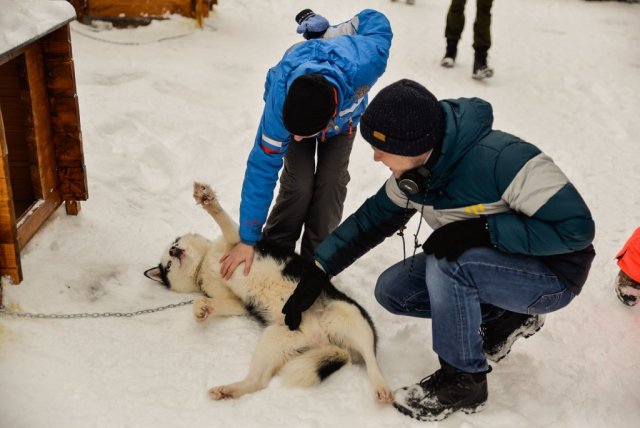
{"points": [[629, 256]]}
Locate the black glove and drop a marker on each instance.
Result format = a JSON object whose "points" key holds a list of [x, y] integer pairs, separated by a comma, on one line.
{"points": [[455, 238], [307, 291], [310, 25]]}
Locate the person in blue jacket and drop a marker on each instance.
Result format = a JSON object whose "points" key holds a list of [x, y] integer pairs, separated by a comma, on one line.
{"points": [[314, 98], [511, 241]]}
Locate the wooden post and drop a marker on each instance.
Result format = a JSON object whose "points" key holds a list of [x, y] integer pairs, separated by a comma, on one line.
{"points": [[199, 13], [9, 247], [72, 207]]}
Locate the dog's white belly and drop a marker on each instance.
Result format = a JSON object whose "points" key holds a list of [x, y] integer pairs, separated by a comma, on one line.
{"points": [[312, 327], [264, 287]]}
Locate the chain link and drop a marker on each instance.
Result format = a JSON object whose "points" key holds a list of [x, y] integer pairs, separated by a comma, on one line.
{"points": [[5, 311]]}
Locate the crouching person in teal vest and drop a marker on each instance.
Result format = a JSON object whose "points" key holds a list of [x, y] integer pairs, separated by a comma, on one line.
{"points": [[511, 238]]}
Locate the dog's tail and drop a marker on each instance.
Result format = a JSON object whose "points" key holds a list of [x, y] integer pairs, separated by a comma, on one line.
{"points": [[205, 196], [313, 366]]}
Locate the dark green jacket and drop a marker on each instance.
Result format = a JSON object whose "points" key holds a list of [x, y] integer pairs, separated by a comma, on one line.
{"points": [[531, 206]]}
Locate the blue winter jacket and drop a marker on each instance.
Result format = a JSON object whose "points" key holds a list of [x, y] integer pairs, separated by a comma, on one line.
{"points": [[530, 205], [351, 56]]}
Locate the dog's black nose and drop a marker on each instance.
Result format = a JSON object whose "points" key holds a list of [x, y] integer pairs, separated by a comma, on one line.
{"points": [[176, 252]]}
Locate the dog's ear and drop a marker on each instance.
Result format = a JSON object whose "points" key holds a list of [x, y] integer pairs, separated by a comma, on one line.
{"points": [[155, 274]]}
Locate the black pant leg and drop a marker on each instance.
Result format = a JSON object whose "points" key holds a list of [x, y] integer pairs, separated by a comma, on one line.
{"points": [[329, 191], [288, 214]]}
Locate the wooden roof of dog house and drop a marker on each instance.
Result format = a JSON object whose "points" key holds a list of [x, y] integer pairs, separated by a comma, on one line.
{"points": [[22, 22]]}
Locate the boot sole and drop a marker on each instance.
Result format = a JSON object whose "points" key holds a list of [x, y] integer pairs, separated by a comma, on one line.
{"points": [[627, 299], [440, 416]]}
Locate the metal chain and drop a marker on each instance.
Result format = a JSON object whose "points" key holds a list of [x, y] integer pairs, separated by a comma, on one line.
{"points": [[5, 311]]}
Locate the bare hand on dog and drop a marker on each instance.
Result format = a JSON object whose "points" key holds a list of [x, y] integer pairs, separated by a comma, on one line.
{"points": [[238, 254]]}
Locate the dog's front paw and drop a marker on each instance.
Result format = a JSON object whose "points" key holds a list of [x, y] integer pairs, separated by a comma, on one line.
{"points": [[203, 194], [201, 309], [222, 392]]}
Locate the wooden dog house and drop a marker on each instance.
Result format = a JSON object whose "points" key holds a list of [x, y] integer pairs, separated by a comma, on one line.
{"points": [[137, 12], [41, 155]]}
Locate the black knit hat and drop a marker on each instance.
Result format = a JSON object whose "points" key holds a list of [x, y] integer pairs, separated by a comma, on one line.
{"points": [[304, 14], [309, 106], [404, 119]]}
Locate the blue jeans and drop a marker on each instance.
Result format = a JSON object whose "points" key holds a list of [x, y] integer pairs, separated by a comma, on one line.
{"points": [[459, 295]]}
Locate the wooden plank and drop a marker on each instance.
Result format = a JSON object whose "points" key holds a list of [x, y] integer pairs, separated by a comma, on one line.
{"points": [[9, 250], [60, 76], [65, 115], [138, 11], [32, 220], [8, 257], [73, 184], [10, 56], [7, 217], [57, 45], [65, 120], [5, 186], [53, 50], [4, 152], [10, 263], [44, 178], [136, 8], [69, 150], [62, 34]]}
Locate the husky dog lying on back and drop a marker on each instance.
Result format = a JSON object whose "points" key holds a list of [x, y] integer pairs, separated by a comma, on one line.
{"points": [[333, 331]]}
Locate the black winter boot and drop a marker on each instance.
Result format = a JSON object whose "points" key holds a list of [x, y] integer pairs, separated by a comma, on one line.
{"points": [[444, 392], [480, 68], [449, 58], [500, 334]]}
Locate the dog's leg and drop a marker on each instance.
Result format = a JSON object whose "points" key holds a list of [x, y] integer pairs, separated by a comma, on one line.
{"points": [[276, 346], [205, 196], [346, 327], [204, 306]]}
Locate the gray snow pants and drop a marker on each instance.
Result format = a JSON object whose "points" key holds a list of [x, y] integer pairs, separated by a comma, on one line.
{"points": [[481, 26], [310, 195]]}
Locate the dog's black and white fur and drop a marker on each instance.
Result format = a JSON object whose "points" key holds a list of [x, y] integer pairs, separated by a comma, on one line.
{"points": [[333, 332]]}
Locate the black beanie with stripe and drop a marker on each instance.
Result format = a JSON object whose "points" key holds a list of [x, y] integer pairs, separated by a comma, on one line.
{"points": [[404, 118]]}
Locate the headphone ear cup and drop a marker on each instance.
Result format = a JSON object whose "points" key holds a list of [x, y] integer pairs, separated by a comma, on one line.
{"points": [[413, 181], [409, 182]]}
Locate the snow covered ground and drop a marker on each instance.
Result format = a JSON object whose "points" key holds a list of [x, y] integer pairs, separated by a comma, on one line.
{"points": [[159, 111]]}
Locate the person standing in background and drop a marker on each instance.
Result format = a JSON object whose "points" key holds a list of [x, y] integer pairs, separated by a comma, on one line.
{"points": [[481, 36], [408, 1]]}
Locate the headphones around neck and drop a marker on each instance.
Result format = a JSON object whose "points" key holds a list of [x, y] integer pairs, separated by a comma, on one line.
{"points": [[413, 181]]}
